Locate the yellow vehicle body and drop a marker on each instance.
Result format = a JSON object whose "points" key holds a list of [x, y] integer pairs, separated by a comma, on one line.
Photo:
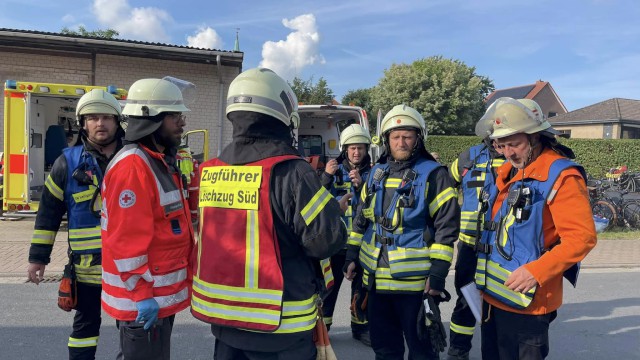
{"points": [[39, 121]]}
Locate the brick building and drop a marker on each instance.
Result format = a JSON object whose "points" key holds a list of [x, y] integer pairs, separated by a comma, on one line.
{"points": [[56, 58]]}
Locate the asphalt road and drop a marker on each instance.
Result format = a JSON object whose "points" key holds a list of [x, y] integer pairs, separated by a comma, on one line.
{"points": [[600, 320]]}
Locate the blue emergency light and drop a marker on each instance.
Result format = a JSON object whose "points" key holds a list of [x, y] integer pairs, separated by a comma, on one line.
{"points": [[11, 84]]}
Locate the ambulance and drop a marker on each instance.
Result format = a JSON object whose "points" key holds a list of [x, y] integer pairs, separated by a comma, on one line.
{"points": [[320, 128], [39, 121]]}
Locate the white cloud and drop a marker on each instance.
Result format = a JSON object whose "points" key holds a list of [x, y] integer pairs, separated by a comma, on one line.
{"points": [[205, 38], [68, 18], [288, 57], [139, 23]]}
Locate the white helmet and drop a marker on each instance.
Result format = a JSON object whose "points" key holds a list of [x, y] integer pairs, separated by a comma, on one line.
{"points": [[354, 134], [97, 101], [403, 116], [150, 97], [512, 116], [484, 126], [261, 90]]}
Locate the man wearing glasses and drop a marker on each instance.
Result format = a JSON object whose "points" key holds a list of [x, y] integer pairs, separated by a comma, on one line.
{"points": [[73, 188], [146, 222]]}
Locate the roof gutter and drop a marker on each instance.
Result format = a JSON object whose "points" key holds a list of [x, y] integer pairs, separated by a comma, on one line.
{"points": [[118, 47]]}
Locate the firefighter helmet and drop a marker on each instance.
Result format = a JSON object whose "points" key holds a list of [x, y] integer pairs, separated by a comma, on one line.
{"points": [[150, 97], [261, 90], [97, 101], [517, 116], [401, 117], [484, 126], [354, 134]]}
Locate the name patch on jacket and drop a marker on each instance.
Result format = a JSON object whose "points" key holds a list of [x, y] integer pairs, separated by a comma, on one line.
{"points": [[230, 187]]}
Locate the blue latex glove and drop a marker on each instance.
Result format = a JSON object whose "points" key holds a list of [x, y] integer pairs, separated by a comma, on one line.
{"points": [[147, 312]]}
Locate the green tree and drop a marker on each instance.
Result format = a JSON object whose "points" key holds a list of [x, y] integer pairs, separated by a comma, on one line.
{"points": [[362, 98], [82, 31], [448, 93], [310, 93]]}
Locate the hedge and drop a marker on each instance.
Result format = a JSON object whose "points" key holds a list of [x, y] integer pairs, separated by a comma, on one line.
{"points": [[596, 155]]}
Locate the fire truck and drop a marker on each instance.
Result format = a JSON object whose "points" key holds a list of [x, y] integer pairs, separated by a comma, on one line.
{"points": [[320, 128], [39, 121]]}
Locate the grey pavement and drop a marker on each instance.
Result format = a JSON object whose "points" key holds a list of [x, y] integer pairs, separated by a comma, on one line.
{"points": [[15, 237]]}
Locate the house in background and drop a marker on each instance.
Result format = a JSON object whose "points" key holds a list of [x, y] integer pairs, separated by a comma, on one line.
{"points": [[46, 57], [610, 119], [541, 92]]}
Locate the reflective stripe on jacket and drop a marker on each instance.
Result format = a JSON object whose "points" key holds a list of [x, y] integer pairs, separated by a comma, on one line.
{"points": [[147, 235]]}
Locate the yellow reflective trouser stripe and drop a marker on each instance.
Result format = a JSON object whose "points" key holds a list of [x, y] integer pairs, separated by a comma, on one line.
{"points": [[83, 342], [44, 237], [252, 255], [354, 239], [384, 281], [54, 189], [442, 252], [315, 205], [328, 320], [464, 330], [471, 240], [444, 196], [498, 287]]}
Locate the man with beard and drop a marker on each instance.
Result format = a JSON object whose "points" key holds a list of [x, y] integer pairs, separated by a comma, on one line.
{"points": [[73, 187], [537, 228], [474, 172], [146, 223], [266, 223], [410, 202], [345, 175]]}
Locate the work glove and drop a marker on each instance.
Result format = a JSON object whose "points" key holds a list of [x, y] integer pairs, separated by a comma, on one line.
{"points": [[147, 312], [430, 328], [67, 291], [359, 302]]}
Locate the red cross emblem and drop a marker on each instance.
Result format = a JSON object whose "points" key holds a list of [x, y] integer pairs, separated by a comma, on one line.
{"points": [[127, 198]]}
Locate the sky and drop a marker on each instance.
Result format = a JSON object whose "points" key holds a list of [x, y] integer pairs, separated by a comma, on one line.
{"points": [[589, 50]]}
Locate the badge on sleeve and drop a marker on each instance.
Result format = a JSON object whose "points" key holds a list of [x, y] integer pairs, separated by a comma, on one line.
{"points": [[127, 198]]}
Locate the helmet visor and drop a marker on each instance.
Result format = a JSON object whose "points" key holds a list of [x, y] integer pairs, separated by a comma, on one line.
{"points": [[187, 88]]}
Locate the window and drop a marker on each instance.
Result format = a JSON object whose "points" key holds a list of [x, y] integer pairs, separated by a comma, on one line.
{"points": [[552, 114], [607, 131], [311, 145]]}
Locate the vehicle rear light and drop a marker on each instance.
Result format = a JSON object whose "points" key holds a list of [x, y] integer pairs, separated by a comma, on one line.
{"points": [[80, 91], [27, 207], [19, 207], [44, 89], [12, 207], [29, 87]]}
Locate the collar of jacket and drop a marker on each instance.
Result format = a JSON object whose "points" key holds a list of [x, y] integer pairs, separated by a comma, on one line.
{"points": [[538, 169], [255, 137]]}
